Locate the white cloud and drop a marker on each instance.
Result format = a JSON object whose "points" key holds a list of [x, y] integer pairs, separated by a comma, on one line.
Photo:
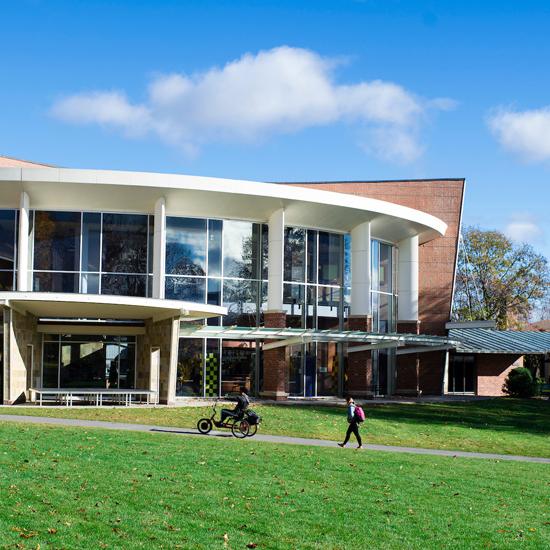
{"points": [[523, 133], [524, 230], [278, 91]]}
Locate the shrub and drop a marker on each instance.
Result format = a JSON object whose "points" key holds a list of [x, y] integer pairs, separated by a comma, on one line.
{"points": [[519, 383]]}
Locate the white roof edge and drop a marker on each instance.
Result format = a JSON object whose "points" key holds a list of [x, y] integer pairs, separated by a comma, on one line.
{"points": [[15, 296], [221, 185]]}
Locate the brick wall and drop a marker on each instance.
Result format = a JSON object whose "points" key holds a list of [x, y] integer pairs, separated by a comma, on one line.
{"points": [[275, 364], [359, 364], [492, 370]]}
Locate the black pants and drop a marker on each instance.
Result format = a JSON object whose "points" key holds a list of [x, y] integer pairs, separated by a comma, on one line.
{"points": [[353, 428]]}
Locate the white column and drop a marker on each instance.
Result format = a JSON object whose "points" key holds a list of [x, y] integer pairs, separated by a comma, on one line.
{"points": [[276, 246], [407, 279], [23, 244], [360, 269], [159, 248]]}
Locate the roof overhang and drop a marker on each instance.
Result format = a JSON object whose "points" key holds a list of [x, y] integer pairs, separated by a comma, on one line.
{"points": [[282, 337], [488, 341], [64, 189], [94, 306]]}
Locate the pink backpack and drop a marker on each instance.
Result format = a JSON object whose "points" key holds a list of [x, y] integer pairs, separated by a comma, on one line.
{"points": [[359, 414]]}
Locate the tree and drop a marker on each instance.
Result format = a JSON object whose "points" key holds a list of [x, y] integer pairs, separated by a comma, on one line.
{"points": [[498, 279]]}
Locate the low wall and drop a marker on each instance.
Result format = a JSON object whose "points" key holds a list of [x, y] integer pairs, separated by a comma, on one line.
{"points": [[492, 370]]}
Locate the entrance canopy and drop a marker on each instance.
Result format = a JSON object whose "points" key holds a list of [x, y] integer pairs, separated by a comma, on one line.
{"points": [[99, 306], [293, 336]]}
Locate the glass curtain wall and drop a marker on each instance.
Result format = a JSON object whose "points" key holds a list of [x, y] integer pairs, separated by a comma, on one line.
{"points": [[8, 249], [219, 262], [92, 252], [384, 306], [313, 297], [79, 361]]}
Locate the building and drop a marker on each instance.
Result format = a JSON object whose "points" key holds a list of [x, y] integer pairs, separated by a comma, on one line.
{"points": [[196, 286]]}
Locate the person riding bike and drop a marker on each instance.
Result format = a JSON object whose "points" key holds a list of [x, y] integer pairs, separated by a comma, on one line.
{"points": [[242, 404]]}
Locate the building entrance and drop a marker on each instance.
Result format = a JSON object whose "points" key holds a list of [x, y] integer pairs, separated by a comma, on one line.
{"points": [[79, 361]]}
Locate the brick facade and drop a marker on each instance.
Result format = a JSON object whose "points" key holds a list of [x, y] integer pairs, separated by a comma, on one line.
{"points": [[275, 364], [359, 365], [492, 370]]}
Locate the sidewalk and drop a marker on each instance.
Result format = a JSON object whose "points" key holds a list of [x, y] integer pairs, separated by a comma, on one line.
{"points": [[259, 437]]}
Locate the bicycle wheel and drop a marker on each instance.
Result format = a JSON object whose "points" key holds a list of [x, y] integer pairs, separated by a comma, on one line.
{"points": [[240, 428], [253, 429], [204, 425]]}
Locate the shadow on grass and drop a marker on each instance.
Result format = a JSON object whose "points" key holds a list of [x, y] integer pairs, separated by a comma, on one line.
{"points": [[504, 414]]}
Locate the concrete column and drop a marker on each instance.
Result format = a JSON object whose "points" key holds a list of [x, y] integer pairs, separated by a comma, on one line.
{"points": [[159, 248], [23, 244], [276, 247], [360, 269], [407, 279]]}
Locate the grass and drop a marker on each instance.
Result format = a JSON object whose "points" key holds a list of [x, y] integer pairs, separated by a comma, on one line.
{"points": [[505, 426], [82, 488]]}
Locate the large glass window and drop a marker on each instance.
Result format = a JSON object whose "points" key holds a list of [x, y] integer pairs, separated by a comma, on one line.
{"points": [[185, 246], [295, 254], [242, 251], [83, 361], [57, 241], [189, 289], [8, 247], [92, 253], [189, 375], [238, 366], [124, 246]]}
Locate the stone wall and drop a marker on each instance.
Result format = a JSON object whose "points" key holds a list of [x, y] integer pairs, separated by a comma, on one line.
{"points": [[165, 336], [21, 333]]}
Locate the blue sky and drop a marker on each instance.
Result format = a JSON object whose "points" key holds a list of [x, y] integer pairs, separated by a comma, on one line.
{"points": [[325, 91]]}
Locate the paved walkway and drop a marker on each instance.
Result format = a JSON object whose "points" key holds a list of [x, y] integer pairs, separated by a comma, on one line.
{"points": [[259, 437]]}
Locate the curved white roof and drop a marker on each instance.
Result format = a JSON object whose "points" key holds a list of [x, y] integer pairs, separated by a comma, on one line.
{"points": [[66, 189], [103, 306]]}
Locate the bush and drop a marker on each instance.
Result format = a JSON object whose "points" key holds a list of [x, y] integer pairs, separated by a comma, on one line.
{"points": [[519, 383]]}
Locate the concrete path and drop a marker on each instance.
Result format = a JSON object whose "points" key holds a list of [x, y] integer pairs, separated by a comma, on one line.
{"points": [[259, 437]]}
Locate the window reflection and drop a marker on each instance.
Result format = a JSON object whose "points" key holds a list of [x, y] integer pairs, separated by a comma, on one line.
{"points": [[238, 366], [185, 246], [241, 300], [295, 254], [55, 282], [57, 241], [124, 247], [330, 258], [189, 372], [241, 249], [188, 289], [7, 239], [91, 239], [214, 248], [123, 285]]}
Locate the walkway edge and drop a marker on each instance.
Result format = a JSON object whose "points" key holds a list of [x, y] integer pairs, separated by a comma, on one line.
{"points": [[74, 422]]}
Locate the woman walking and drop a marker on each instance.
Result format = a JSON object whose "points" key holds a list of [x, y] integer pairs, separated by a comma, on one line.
{"points": [[353, 427]]}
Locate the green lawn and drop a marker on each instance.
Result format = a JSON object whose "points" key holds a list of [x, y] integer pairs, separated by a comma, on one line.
{"points": [[80, 488], [501, 425]]}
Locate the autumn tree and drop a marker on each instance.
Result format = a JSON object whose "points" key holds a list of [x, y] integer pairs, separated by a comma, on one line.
{"points": [[498, 279]]}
